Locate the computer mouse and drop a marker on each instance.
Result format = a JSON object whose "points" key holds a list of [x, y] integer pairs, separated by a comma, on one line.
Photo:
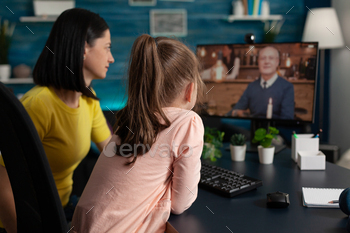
{"points": [[277, 200]]}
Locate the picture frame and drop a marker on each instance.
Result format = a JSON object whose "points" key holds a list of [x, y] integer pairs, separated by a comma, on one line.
{"points": [[142, 2], [168, 22]]}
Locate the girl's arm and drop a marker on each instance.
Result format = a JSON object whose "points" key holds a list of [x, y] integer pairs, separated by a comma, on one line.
{"points": [[187, 165]]}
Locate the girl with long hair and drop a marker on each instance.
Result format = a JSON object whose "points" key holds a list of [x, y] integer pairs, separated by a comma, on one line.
{"points": [[151, 166]]}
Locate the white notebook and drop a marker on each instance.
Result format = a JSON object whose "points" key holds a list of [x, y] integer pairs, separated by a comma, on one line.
{"points": [[319, 197]]}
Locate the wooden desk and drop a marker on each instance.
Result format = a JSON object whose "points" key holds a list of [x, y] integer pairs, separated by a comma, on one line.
{"points": [[248, 212]]}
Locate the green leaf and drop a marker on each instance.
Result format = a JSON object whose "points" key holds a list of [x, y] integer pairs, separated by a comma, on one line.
{"points": [[260, 132], [212, 143], [273, 130], [266, 142], [259, 137]]}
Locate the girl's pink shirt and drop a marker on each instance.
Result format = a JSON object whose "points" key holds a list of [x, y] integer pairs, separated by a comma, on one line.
{"points": [[140, 197]]}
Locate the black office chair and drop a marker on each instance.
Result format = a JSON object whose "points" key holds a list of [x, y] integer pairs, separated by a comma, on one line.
{"points": [[38, 206]]}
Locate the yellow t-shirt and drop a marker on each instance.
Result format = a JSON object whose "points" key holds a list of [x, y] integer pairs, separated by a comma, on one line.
{"points": [[66, 133]]}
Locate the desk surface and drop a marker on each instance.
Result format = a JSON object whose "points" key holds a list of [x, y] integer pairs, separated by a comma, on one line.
{"points": [[248, 213]]}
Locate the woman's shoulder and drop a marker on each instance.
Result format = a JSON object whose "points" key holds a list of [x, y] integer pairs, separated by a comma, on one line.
{"points": [[90, 102], [38, 94]]}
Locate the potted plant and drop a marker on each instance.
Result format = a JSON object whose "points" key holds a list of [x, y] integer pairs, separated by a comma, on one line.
{"points": [[212, 143], [6, 32], [238, 147], [265, 150]]}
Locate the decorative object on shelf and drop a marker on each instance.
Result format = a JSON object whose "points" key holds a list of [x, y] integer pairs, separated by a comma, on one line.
{"points": [[22, 71], [6, 32], [265, 150], [238, 8], [271, 30], [142, 2], [47, 8], [168, 22], [247, 7], [238, 147], [265, 8], [212, 143], [322, 25]]}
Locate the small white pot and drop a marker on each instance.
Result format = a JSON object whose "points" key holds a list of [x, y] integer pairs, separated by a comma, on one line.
{"points": [[266, 154], [5, 72], [238, 152]]}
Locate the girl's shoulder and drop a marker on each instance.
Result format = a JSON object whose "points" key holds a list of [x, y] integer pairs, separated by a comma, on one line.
{"points": [[180, 114], [182, 118]]}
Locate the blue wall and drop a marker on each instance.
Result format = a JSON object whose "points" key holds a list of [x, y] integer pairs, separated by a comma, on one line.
{"points": [[205, 26]]}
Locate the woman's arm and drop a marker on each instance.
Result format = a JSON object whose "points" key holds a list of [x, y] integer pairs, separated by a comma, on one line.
{"points": [[7, 203], [101, 145]]}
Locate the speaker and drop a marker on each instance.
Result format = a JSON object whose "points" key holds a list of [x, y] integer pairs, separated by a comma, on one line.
{"points": [[331, 152]]}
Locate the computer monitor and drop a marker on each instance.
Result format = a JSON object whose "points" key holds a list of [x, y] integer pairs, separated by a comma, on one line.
{"points": [[274, 81]]}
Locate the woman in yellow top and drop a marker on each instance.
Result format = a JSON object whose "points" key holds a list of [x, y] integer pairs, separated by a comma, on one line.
{"points": [[62, 106]]}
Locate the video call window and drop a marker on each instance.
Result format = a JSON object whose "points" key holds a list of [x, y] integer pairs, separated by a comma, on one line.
{"points": [[273, 81]]}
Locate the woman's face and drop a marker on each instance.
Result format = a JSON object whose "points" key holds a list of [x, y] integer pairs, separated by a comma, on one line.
{"points": [[98, 57]]}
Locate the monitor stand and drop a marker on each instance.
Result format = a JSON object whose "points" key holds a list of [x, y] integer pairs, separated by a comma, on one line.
{"points": [[254, 125], [254, 148]]}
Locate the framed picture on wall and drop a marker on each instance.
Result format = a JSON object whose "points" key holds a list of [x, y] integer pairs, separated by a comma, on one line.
{"points": [[142, 2], [168, 22]]}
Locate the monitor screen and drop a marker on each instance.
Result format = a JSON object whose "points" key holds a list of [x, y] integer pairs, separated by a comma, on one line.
{"points": [[261, 81]]}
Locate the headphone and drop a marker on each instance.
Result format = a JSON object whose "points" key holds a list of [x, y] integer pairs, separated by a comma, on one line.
{"points": [[344, 204]]}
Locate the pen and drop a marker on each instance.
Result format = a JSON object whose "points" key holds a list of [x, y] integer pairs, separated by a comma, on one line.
{"points": [[316, 135], [333, 202], [294, 134]]}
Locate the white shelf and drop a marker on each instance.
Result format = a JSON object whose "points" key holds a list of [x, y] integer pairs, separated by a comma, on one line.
{"points": [[18, 81], [38, 18], [232, 18]]}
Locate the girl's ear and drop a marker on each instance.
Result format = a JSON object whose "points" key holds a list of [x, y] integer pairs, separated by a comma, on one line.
{"points": [[86, 49], [189, 91]]}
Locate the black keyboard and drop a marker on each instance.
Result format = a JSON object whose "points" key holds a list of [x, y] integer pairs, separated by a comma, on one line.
{"points": [[225, 182]]}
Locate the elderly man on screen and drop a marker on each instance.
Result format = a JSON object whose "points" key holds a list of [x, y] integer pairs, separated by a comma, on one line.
{"points": [[270, 96]]}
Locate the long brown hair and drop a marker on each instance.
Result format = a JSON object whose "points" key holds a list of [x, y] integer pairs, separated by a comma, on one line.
{"points": [[159, 69]]}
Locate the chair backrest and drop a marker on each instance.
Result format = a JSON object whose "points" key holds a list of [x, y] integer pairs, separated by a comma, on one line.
{"points": [[38, 206]]}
